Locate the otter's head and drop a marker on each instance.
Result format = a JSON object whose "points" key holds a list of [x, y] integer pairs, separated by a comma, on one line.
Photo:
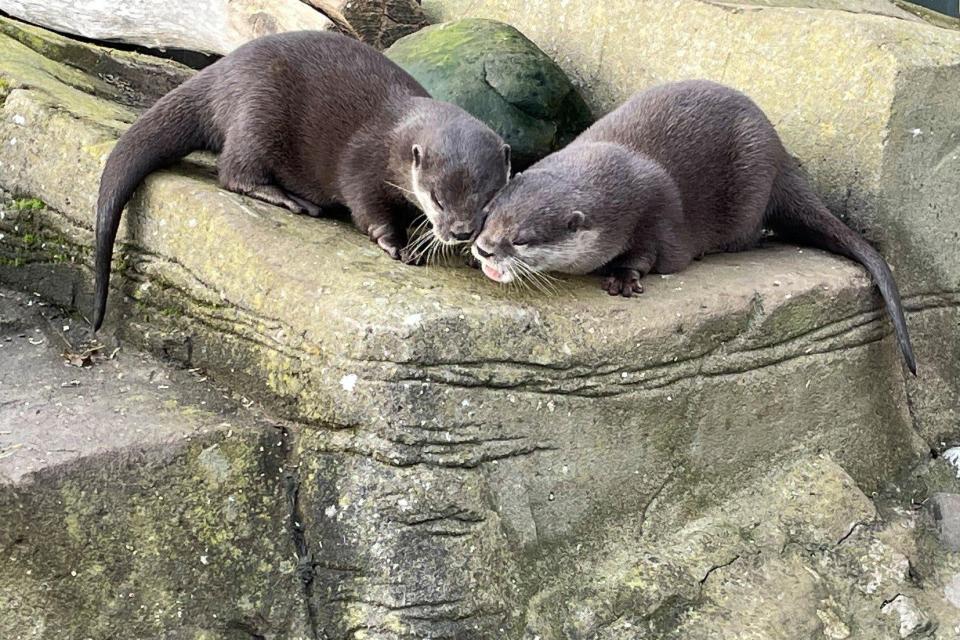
{"points": [[538, 223], [455, 170]]}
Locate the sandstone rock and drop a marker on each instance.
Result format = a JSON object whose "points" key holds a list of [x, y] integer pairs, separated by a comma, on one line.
{"points": [[767, 563], [464, 451], [952, 591], [135, 500], [493, 71], [862, 92]]}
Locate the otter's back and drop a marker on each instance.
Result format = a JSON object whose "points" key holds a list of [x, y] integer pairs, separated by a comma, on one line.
{"points": [[710, 138], [309, 94]]}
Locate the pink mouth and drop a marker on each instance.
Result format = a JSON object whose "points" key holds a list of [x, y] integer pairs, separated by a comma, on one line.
{"points": [[492, 273]]}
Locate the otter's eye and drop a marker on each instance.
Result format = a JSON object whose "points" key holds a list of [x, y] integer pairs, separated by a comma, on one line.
{"points": [[521, 242], [436, 200]]}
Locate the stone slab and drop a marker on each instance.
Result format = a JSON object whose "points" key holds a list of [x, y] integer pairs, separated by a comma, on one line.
{"points": [[136, 500]]}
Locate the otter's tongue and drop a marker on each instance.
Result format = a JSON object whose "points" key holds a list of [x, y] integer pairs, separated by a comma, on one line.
{"points": [[492, 273]]}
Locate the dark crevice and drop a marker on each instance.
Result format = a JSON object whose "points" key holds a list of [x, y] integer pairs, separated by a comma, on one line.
{"points": [[245, 628], [193, 59], [653, 498], [889, 601], [853, 528], [305, 564], [703, 580]]}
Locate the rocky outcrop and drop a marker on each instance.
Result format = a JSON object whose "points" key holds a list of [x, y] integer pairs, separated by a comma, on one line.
{"points": [[861, 90], [491, 70], [459, 448]]}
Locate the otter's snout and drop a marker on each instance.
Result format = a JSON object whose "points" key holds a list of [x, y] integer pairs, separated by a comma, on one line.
{"points": [[456, 231], [495, 267], [462, 231]]}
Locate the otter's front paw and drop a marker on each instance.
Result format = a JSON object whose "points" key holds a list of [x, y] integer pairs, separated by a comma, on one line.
{"points": [[471, 261], [391, 245], [622, 282], [412, 257]]}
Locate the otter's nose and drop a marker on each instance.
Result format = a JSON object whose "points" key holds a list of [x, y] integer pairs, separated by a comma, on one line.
{"points": [[462, 235], [483, 253]]}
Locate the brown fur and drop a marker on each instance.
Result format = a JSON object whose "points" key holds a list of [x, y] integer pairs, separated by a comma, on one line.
{"points": [[680, 170], [307, 120]]}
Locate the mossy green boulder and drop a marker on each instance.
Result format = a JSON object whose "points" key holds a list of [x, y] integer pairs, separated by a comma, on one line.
{"points": [[497, 74]]}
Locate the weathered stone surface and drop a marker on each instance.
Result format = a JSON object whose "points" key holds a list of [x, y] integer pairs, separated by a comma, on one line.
{"points": [[464, 446], [135, 500], [865, 96], [209, 26], [875, 7], [380, 23], [219, 26], [494, 72], [799, 553], [945, 509], [129, 78], [914, 623]]}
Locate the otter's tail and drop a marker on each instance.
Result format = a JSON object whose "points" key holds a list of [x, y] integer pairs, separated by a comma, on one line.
{"points": [[174, 126], [797, 213]]}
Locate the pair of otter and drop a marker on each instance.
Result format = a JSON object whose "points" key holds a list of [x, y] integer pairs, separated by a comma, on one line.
{"points": [[307, 120]]}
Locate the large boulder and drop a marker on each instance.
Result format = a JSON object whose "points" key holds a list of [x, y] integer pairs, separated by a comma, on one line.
{"points": [[494, 72], [461, 448]]}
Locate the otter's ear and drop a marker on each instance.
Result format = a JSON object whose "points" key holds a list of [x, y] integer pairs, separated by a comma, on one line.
{"points": [[506, 158], [417, 156], [575, 220]]}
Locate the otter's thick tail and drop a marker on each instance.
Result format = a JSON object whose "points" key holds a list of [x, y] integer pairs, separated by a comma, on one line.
{"points": [[174, 126], [797, 213]]}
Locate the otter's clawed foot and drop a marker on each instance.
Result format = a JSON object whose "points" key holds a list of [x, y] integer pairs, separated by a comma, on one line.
{"points": [[388, 239], [411, 257], [391, 246], [275, 195], [293, 207], [622, 282], [307, 207]]}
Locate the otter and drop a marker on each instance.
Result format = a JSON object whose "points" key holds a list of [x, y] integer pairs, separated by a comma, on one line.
{"points": [[310, 120], [680, 170]]}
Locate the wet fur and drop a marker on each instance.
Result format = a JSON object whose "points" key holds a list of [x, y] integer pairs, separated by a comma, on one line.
{"points": [[306, 120], [679, 171]]}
